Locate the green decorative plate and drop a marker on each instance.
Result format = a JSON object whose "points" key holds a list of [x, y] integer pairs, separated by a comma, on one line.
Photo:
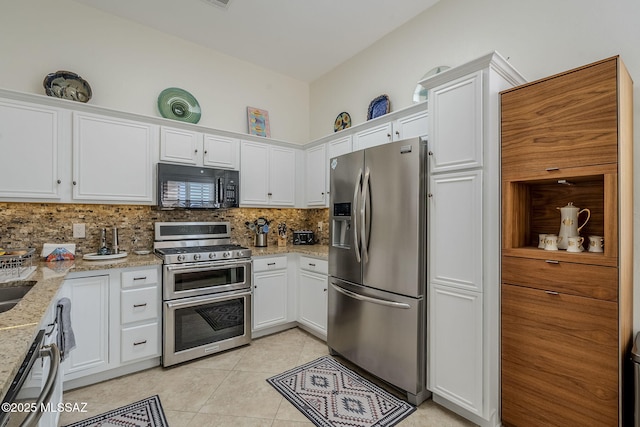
{"points": [[178, 104]]}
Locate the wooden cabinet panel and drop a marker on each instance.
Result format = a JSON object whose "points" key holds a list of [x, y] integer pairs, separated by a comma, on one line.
{"points": [[592, 281], [559, 359], [567, 120]]}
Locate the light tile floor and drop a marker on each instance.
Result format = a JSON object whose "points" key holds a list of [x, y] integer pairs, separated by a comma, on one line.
{"points": [[229, 389]]}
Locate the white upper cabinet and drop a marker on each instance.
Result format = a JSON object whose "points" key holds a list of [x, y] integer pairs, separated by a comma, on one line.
{"points": [[282, 176], [315, 175], [410, 126], [113, 159], [221, 152], [338, 147], [195, 148], [180, 146], [377, 135], [267, 174], [32, 142], [455, 137]]}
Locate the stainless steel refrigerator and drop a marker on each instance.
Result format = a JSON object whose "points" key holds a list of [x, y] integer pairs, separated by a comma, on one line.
{"points": [[377, 263]]}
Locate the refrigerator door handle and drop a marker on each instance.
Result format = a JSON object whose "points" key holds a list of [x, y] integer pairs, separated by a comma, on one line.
{"points": [[363, 211], [354, 208], [379, 301]]}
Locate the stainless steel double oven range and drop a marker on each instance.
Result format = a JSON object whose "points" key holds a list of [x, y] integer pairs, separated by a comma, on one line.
{"points": [[206, 289]]}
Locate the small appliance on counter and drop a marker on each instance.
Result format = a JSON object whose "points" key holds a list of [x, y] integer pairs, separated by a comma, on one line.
{"points": [[303, 237]]}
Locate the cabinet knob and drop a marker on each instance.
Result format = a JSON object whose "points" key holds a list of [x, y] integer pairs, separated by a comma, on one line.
{"points": [[74, 183], [397, 133], [389, 135], [430, 195], [269, 194], [430, 153], [59, 182], [196, 150], [325, 289], [205, 151]]}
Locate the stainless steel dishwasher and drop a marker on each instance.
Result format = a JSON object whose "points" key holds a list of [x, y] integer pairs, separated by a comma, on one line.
{"points": [[25, 407]]}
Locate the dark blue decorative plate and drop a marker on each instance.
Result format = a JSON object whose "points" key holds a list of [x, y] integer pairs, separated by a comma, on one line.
{"points": [[379, 107], [67, 85]]}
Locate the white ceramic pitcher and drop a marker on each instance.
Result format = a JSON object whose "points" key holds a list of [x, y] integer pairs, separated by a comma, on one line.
{"points": [[569, 223]]}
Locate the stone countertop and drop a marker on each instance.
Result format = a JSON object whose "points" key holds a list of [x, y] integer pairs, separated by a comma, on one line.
{"points": [[318, 251], [19, 325]]}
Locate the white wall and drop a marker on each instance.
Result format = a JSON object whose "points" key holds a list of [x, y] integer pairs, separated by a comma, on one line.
{"points": [[541, 38], [128, 65]]}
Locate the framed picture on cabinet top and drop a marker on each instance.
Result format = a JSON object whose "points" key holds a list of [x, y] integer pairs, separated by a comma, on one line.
{"points": [[258, 121]]}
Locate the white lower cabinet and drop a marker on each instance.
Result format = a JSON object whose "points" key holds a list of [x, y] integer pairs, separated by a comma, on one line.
{"points": [[90, 322], [455, 343], [312, 296], [116, 320], [270, 292]]}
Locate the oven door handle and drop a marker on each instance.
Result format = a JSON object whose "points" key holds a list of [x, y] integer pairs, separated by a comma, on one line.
{"points": [[187, 302], [201, 265], [51, 351]]}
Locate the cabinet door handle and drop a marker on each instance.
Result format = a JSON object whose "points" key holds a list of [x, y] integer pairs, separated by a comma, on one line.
{"points": [[271, 263], [140, 342], [551, 293], [269, 194], [311, 265], [551, 261], [552, 169], [430, 195], [139, 305], [140, 278]]}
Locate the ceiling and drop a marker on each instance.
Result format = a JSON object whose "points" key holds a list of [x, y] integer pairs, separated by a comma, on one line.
{"points": [[299, 38]]}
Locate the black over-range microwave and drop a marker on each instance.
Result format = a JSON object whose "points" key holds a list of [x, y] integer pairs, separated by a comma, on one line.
{"points": [[195, 187]]}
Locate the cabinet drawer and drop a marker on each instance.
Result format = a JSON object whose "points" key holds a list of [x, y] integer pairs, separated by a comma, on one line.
{"points": [[139, 277], [272, 263], [314, 264], [568, 120], [560, 353], [592, 281], [139, 304], [140, 342]]}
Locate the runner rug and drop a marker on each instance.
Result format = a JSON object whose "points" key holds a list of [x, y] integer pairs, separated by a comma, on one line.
{"points": [[144, 413], [331, 395]]}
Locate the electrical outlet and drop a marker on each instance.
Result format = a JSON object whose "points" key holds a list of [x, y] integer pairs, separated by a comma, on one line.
{"points": [[319, 225], [79, 231]]}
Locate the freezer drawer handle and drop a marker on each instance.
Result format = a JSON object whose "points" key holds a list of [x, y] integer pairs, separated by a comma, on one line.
{"points": [[370, 299]]}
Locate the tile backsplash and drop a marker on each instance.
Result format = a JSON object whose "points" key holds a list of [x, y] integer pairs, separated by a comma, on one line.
{"points": [[33, 224]]}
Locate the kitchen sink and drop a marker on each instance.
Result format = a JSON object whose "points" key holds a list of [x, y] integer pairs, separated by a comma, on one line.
{"points": [[11, 295]]}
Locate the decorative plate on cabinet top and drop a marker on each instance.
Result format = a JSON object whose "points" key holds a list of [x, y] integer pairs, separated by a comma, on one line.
{"points": [[379, 107], [420, 94], [67, 85], [343, 121], [178, 104]]}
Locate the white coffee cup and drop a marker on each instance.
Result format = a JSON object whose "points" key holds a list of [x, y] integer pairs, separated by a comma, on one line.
{"points": [[541, 238], [596, 243], [551, 242], [574, 244]]}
